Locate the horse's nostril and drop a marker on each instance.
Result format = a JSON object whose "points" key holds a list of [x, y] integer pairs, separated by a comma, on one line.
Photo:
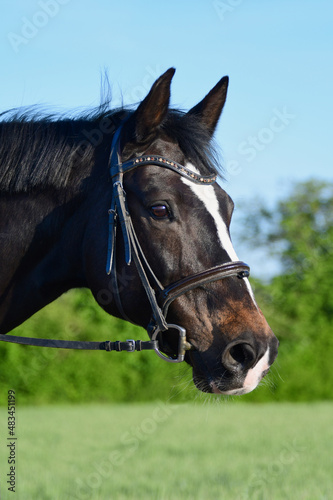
{"points": [[239, 355]]}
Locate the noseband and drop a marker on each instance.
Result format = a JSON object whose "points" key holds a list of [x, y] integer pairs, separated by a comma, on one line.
{"points": [[159, 297]]}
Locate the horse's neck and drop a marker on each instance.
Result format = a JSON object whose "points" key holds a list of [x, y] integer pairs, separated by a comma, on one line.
{"points": [[36, 255]]}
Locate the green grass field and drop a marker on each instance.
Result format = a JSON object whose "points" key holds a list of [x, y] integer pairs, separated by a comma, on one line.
{"points": [[220, 450]]}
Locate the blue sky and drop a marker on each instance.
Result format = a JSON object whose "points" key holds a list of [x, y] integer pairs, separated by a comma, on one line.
{"points": [[277, 123]]}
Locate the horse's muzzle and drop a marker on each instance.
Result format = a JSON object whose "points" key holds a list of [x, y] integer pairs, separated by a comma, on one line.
{"points": [[243, 365]]}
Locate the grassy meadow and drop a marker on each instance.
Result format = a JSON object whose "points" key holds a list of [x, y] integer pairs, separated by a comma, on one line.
{"points": [[219, 450]]}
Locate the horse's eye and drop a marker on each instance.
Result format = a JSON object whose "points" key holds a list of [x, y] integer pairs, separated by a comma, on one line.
{"points": [[160, 211]]}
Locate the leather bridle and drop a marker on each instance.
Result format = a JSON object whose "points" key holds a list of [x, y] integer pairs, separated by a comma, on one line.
{"points": [[159, 297]]}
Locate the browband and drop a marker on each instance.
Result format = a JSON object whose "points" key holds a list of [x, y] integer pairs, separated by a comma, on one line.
{"points": [[160, 161], [117, 167]]}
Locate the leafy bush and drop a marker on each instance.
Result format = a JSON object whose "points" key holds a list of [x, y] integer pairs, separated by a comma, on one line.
{"points": [[43, 375]]}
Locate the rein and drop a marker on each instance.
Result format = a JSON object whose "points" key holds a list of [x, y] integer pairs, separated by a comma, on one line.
{"points": [[159, 297]]}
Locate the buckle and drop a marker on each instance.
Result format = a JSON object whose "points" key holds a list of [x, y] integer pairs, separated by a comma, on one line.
{"points": [[118, 183], [183, 345], [131, 346]]}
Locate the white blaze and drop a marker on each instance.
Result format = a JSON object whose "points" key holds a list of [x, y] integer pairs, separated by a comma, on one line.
{"points": [[208, 197]]}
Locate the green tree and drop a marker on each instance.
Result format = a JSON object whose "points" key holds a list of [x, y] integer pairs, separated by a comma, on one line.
{"points": [[299, 302]]}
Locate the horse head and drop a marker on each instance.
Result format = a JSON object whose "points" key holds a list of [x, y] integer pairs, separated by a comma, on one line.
{"points": [[180, 221]]}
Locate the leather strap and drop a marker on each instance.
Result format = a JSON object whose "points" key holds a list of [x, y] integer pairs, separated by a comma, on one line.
{"points": [[161, 161], [174, 290], [112, 236], [124, 217], [128, 345], [150, 292]]}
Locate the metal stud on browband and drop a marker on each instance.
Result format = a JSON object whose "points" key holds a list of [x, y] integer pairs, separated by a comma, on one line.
{"points": [[160, 161]]}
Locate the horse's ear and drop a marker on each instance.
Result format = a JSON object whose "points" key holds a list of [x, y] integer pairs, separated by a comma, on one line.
{"points": [[153, 109], [210, 108]]}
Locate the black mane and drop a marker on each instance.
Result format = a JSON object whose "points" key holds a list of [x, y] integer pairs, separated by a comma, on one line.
{"points": [[40, 151]]}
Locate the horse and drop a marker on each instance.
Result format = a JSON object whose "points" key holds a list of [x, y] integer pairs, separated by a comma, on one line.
{"points": [[126, 202]]}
